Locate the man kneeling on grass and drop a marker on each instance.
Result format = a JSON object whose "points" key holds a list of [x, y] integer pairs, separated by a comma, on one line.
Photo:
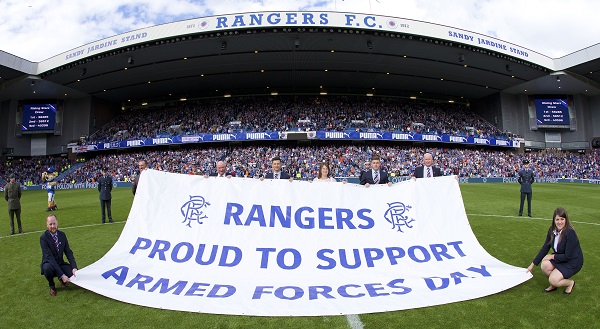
{"points": [[55, 245]]}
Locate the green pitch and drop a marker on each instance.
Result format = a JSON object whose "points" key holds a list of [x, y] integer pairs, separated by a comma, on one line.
{"points": [[491, 209]]}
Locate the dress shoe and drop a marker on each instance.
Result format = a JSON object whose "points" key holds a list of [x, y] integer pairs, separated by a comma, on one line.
{"points": [[520, 214], [549, 290], [52, 292], [568, 293], [110, 220]]}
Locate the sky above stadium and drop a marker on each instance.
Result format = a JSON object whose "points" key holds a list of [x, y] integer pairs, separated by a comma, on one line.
{"points": [[38, 29]]}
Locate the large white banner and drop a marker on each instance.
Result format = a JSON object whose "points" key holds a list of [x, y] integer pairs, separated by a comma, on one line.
{"points": [[279, 248]]}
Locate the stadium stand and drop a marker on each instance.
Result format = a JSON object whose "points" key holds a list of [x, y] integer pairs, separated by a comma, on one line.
{"points": [[288, 113], [334, 113]]}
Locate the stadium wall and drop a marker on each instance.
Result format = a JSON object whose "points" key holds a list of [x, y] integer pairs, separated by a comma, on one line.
{"points": [[100, 114], [81, 116], [490, 108], [594, 103], [579, 138], [77, 118], [4, 119], [515, 118], [20, 146]]}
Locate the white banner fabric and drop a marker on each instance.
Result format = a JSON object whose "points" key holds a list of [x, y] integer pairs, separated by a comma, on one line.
{"points": [[279, 248]]}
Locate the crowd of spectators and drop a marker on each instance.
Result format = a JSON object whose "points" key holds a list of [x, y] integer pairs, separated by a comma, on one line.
{"points": [[346, 160], [310, 113], [293, 113], [28, 171]]}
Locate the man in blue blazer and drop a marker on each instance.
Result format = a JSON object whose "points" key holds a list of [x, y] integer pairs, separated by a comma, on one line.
{"points": [[526, 178], [105, 185], [55, 245], [277, 173], [427, 170], [375, 175]]}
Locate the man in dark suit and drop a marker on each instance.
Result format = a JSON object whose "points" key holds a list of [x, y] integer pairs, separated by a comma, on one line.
{"points": [[55, 245], [222, 171], [427, 169], [367, 166], [526, 178], [143, 166], [105, 185], [277, 173], [375, 175]]}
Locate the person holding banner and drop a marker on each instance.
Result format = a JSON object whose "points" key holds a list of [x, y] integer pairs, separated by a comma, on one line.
{"points": [[367, 166], [277, 173], [567, 258], [142, 165], [427, 169], [55, 245], [324, 174], [222, 171], [376, 175]]}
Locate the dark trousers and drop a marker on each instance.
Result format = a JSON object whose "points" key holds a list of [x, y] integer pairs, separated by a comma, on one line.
{"points": [[11, 215], [523, 194], [50, 273], [105, 204]]}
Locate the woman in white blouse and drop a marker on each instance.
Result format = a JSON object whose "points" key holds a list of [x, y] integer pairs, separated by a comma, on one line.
{"points": [[324, 174]]}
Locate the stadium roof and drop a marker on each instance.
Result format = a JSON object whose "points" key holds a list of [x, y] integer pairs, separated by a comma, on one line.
{"points": [[296, 59]]}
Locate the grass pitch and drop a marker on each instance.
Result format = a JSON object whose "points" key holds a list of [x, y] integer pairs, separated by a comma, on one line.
{"points": [[492, 211]]}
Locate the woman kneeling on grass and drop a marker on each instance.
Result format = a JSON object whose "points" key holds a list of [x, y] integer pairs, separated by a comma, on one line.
{"points": [[567, 258]]}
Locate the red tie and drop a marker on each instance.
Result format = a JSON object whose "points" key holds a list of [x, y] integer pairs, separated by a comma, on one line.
{"points": [[428, 171], [56, 241]]}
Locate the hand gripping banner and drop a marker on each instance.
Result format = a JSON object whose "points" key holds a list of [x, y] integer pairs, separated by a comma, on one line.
{"points": [[279, 248]]}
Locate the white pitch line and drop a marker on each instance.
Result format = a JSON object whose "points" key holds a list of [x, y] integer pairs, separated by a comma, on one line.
{"points": [[536, 218], [61, 228], [354, 321]]}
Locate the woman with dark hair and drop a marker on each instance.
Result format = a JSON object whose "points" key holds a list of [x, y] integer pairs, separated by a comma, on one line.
{"points": [[567, 258]]}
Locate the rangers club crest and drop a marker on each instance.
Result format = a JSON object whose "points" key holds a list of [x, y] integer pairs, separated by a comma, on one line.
{"points": [[192, 211], [398, 217]]}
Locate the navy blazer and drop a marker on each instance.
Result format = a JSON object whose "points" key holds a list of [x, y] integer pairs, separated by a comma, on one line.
{"points": [[214, 174], [55, 257], [367, 177], [282, 175], [526, 178], [105, 185], [568, 250], [419, 171]]}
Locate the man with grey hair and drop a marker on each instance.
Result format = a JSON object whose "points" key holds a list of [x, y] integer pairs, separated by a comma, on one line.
{"points": [[222, 171], [143, 166], [427, 169]]}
